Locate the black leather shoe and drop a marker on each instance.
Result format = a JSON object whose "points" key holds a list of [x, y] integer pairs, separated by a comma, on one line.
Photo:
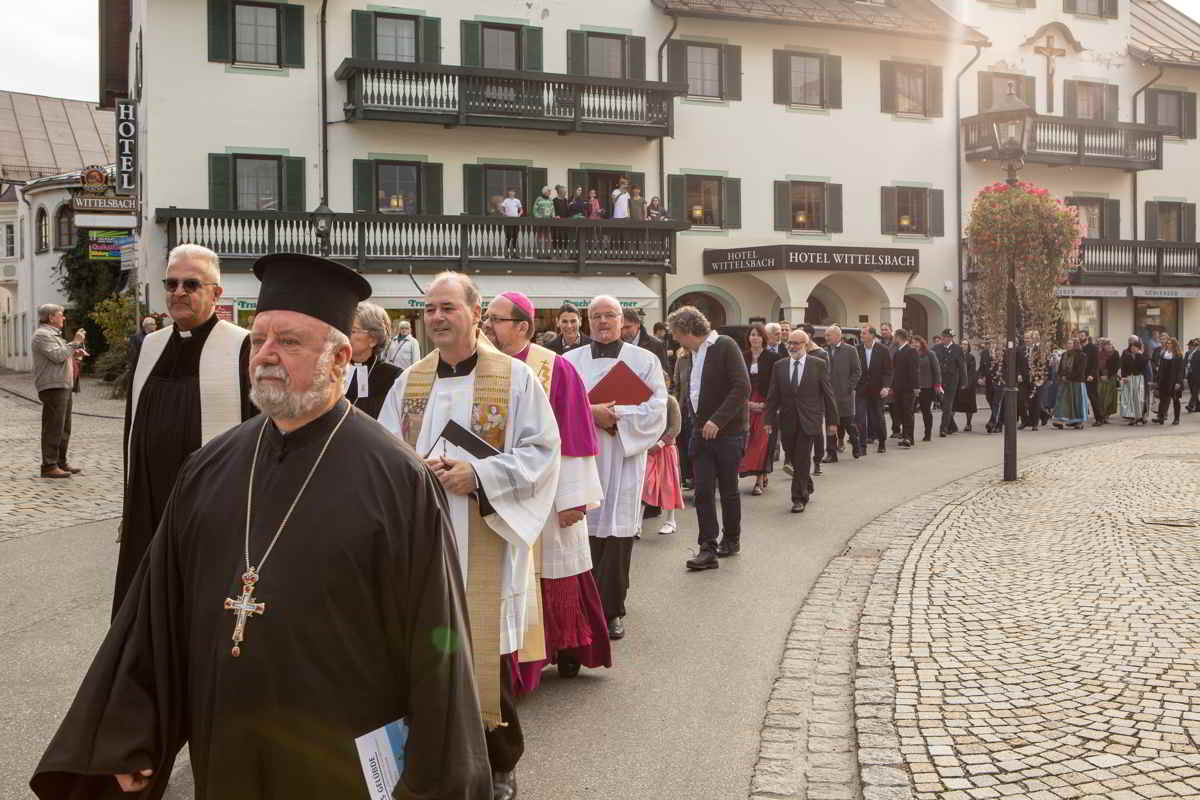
{"points": [[798, 508], [504, 786], [905, 443], [859, 453], [926, 438], [817, 470], [830, 458], [616, 628], [705, 559], [728, 548], [882, 448], [567, 667], [943, 434]]}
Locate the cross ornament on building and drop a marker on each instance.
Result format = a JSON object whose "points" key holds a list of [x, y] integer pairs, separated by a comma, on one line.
{"points": [[1051, 53], [244, 607]]}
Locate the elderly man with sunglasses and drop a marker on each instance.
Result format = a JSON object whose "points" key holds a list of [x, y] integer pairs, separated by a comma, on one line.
{"points": [[189, 384]]}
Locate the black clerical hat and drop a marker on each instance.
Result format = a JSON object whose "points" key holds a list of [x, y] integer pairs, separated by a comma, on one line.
{"points": [[311, 285]]}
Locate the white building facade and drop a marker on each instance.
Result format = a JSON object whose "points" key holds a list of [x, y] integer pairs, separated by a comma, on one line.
{"points": [[806, 158]]}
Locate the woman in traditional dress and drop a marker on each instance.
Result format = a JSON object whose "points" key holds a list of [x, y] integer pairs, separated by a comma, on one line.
{"points": [[1071, 407], [967, 401], [662, 485], [757, 460], [1170, 380], [1109, 382], [1132, 399]]}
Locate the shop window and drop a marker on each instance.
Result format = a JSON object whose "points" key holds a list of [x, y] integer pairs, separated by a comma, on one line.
{"points": [[1079, 314], [1152, 315]]}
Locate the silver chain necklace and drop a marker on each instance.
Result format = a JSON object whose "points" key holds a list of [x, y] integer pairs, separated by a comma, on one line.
{"points": [[245, 605]]}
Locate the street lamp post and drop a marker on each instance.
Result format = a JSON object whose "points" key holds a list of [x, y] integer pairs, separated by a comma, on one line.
{"points": [[1012, 125], [322, 222]]}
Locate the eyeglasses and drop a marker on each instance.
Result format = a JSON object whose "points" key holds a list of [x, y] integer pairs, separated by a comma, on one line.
{"points": [[190, 285], [493, 320]]}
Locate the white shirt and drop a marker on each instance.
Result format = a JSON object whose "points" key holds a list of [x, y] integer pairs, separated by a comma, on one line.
{"points": [[867, 355], [698, 371], [620, 204], [798, 366], [511, 207]]}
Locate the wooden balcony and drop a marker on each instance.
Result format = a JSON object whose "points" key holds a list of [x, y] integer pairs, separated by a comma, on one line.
{"points": [[384, 242], [1119, 262], [451, 96], [1074, 142]]}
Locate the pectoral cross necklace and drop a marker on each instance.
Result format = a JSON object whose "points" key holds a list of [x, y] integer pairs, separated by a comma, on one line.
{"points": [[246, 605]]}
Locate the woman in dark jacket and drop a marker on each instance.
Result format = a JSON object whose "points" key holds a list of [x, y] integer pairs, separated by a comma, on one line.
{"points": [[930, 373], [760, 447], [967, 401], [1132, 398], [1170, 380], [370, 334]]}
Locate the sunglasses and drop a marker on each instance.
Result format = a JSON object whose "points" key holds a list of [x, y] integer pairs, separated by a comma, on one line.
{"points": [[190, 285]]}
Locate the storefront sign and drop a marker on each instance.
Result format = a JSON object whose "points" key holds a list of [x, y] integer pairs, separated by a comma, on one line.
{"points": [[127, 133], [94, 179], [81, 202], [805, 256], [106, 245], [1091, 291], [1165, 291], [225, 312]]}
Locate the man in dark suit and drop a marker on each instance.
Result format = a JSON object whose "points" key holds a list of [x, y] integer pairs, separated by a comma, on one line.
{"points": [[717, 395], [845, 371], [1191, 373], [874, 385], [633, 332], [906, 382], [953, 362], [799, 401], [569, 335]]}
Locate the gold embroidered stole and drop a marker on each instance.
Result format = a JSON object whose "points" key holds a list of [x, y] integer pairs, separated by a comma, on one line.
{"points": [[541, 361], [486, 550]]}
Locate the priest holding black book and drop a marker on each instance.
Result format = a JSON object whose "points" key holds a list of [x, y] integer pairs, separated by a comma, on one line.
{"points": [[464, 400], [302, 593]]}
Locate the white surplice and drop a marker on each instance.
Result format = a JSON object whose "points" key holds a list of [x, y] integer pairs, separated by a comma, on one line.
{"points": [[565, 551], [621, 460], [519, 483]]}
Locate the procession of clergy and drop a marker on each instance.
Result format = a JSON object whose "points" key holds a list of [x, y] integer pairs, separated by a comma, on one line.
{"points": [[292, 583]]}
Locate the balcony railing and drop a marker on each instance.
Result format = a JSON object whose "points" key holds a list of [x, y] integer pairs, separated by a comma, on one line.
{"points": [[451, 95], [431, 243], [1129, 261], [1085, 143]]}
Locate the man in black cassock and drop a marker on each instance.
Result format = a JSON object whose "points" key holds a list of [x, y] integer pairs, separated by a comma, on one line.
{"points": [[188, 384], [357, 619]]}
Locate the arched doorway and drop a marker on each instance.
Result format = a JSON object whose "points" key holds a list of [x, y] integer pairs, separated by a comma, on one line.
{"points": [[916, 318], [816, 313], [708, 305]]}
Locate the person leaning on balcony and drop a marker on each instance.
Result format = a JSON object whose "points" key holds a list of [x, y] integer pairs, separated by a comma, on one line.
{"points": [[637, 204], [543, 208], [511, 206], [655, 211], [594, 209], [578, 205], [54, 377]]}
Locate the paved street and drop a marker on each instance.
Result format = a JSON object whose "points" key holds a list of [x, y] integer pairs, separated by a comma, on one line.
{"points": [[921, 632]]}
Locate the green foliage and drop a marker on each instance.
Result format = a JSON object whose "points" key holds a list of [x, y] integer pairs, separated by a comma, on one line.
{"points": [[86, 283], [116, 316]]}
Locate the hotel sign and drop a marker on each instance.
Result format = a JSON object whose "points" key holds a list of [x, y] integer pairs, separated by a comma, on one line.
{"points": [[807, 257], [127, 141], [82, 202]]}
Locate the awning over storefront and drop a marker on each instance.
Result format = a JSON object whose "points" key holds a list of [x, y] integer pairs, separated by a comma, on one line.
{"points": [[546, 291]]}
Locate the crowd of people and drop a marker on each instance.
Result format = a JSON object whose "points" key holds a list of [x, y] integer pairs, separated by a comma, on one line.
{"points": [[442, 528], [625, 201]]}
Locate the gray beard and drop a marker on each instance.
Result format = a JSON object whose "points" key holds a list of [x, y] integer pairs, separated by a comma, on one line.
{"points": [[278, 402]]}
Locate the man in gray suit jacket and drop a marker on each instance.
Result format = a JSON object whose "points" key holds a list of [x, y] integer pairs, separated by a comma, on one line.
{"points": [[845, 371], [54, 378], [799, 399]]}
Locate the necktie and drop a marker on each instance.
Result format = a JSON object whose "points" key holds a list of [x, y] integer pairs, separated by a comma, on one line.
{"points": [[795, 372]]}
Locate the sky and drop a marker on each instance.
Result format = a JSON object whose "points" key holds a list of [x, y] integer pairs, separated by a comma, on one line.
{"points": [[50, 47]]}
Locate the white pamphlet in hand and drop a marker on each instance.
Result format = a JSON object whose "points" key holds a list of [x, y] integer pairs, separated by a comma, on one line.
{"points": [[381, 753]]}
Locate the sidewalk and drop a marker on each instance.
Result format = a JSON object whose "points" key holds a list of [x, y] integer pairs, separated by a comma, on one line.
{"points": [[1036, 640], [93, 398]]}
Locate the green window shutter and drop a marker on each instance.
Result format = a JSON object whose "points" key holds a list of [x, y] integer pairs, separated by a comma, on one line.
{"points": [[1110, 9], [472, 44], [833, 208], [677, 197], [220, 30], [535, 178], [293, 184], [220, 182], [635, 52], [1111, 220], [731, 202], [986, 96], [887, 88], [933, 91], [291, 17], [1151, 220], [1070, 99], [1188, 222], [731, 72], [1069, 6], [1112, 99], [888, 206], [1188, 116], [362, 35], [831, 74], [531, 49], [677, 61], [576, 53], [473, 200], [783, 205], [430, 40], [1151, 106], [577, 178], [782, 67], [936, 198], [431, 188], [639, 179], [364, 186], [1029, 91]]}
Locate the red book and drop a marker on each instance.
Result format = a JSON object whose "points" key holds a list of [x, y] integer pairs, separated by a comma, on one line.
{"points": [[621, 386]]}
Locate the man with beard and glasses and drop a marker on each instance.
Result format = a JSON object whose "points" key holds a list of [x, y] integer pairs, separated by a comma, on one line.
{"points": [[499, 503], [303, 591], [189, 385]]}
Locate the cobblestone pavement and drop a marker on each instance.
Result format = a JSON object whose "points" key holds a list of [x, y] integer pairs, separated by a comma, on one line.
{"points": [[1033, 640], [30, 504]]}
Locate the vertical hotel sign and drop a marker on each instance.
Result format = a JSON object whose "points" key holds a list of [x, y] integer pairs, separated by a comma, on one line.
{"points": [[127, 142]]}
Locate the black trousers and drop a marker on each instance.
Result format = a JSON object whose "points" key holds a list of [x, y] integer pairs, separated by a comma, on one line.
{"points": [[926, 401], [1194, 386], [798, 445], [510, 239], [506, 743], [894, 412], [1166, 398], [611, 557], [868, 408], [1093, 394], [846, 425], [685, 457], [715, 466], [903, 405], [948, 423], [56, 426]]}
